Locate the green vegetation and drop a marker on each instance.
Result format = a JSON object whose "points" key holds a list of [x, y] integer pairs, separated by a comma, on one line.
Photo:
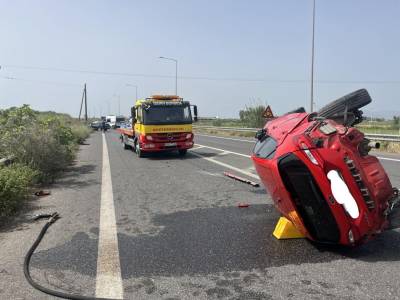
{"points": [[249, 117], [381, 126], [41, 145], [15, 181], [252, 116]]}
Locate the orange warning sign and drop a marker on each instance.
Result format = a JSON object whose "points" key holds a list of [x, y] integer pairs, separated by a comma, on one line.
{"points": [[268, 113]]}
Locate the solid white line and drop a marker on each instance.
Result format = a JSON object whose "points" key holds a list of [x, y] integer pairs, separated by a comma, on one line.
{"points": [[226, 165], [108, 278], [226, 151], [226, 138], [386, 158], [197, 147]]}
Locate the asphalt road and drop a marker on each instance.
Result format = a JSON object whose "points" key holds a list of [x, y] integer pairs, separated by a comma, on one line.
{"points": [[181, 235]]}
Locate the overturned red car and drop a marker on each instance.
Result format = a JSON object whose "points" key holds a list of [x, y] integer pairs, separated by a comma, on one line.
{"points": [[320, 175]]}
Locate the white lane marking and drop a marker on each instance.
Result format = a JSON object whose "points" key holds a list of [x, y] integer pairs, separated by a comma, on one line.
{"points": [[108, 279], [226, 151], [226, 138], [386, 158], [225, 165]]}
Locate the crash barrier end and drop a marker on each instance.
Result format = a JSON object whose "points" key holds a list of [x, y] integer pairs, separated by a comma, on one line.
{"points": [[286, 230]]}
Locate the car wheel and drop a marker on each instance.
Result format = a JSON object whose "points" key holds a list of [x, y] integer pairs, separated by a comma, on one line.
{"points": [[139, 152], [126, 146], [182, 152]]}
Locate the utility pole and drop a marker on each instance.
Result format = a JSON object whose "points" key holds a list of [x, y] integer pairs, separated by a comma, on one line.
{"points": [[312, 61], [80, 110], [86, 112]]}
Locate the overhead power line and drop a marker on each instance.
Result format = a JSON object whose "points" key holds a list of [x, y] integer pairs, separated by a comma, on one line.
{"points": [[40, 81], [238, 79]]}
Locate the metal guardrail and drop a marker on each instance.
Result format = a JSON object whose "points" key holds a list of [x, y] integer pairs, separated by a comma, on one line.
{"points": [[371, 136]]}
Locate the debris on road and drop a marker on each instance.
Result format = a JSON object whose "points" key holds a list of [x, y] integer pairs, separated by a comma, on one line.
{"points": [[42, 193], [243, 205], [241, 179]]}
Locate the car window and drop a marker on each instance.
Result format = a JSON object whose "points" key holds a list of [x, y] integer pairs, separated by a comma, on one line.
{"points": [[265, 148]]}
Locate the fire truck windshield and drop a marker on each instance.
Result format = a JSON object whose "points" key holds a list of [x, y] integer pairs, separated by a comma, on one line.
{"points": [[157, 115]]}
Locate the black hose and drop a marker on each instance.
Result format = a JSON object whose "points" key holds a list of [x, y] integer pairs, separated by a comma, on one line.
{"points": [[53, 217]]}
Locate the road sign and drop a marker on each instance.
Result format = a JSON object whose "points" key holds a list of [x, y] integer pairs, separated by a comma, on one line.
{"points": [[268, 113]]}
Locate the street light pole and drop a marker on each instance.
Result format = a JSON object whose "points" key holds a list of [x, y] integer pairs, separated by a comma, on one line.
{"points": [[176, 71], [312, 61], [135, 86], [119, 105]]}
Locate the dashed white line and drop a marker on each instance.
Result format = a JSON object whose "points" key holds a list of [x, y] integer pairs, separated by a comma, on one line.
{"points": [[225, 165], [108, 278], [226, 138], [226, 151]]}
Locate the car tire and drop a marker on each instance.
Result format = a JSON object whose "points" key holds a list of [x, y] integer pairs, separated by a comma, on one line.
{"points": [[182, 152], [353, 101], [139, 152]]}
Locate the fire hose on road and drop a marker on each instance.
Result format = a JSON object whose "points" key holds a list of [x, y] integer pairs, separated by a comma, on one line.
{"points": [[52, 218]]}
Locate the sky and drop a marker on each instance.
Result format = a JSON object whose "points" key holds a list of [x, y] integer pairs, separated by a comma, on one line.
{"points": [[230, 53]]}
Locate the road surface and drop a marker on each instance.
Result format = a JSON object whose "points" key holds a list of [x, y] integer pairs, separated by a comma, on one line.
{"points": [[166, 227]]}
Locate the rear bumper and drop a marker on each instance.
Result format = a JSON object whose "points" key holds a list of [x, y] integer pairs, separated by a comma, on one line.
{"points": [[156, 147]]}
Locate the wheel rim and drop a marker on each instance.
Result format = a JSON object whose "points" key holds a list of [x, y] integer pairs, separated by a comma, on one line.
{"points": [[137, 149]]}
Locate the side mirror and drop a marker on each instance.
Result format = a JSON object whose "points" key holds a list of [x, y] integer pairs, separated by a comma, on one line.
{"points": [[133, 114], [195, 113], [260, 134]]}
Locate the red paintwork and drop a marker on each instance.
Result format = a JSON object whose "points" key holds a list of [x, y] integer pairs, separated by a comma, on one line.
{"points": [[126, 131], [289, 131]]}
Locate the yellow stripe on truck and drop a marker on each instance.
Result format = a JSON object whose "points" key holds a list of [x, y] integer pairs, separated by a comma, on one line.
{"points": [[146, 129]]}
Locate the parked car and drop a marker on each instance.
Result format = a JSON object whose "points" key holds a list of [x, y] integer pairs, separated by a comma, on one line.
{"points": [[96, 125]]}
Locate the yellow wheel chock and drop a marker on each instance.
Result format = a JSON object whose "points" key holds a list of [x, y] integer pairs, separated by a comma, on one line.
{"points": [[286, 230]]}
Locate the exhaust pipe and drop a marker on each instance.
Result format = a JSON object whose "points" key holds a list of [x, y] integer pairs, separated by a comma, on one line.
{"points": [[375, 145], [366, 145]]}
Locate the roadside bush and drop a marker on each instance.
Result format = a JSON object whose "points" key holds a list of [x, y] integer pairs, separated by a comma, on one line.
{"points": [[14, 186], [46, 142], [80, 133], [252, 116], [217, 122]]}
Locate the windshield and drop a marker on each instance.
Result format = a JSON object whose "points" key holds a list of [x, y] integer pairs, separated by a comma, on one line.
{"points": [[156, 115], [265, 148]]}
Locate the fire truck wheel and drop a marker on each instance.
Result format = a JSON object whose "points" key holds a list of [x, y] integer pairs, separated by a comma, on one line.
{"points": [[182, 152]]}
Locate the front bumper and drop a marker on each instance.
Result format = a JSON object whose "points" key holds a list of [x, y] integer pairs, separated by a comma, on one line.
{"points": [[170, 146]]}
